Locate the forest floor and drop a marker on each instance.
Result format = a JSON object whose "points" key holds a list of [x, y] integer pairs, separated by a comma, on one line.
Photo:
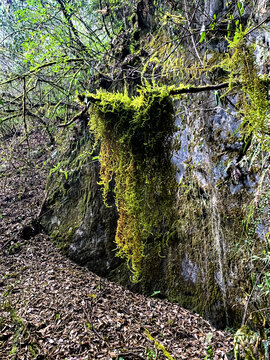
{"points": [[51, 308]]}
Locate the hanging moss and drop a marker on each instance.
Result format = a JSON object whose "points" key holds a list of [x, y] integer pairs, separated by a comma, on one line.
{"points": [[253, 99], [136, 147]]}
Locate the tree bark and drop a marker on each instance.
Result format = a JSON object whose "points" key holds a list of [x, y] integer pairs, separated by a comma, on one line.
{"points": [[146, 15]]}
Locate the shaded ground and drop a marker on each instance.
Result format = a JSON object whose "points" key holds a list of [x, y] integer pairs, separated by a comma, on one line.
{"points": [[51, 308]]}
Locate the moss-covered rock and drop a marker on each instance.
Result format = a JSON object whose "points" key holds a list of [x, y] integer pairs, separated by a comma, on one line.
{"points": [[75, 215], [206, 263], [214, 256]]}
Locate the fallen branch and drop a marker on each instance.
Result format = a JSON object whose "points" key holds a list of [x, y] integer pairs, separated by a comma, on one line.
{"points": [[158, 345]]}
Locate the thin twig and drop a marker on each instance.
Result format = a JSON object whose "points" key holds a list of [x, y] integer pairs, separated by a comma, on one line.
{"points": [[18, 113], [257, 26], [24, 112], [72, 26], [6, 243], [191, 34], [40, 67], [103, 20], [41, 208], [77, 116]]}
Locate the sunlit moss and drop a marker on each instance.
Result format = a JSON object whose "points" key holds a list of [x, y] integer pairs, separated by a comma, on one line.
{"points": [[136, 149]]}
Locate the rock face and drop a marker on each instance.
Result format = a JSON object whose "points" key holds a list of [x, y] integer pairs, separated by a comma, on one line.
{"points": [[216, 184], [76, 217], [223, 191]]}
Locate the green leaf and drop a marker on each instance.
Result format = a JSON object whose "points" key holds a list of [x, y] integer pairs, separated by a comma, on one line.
{"points": [[240, 6], [55, 168], [267, 282], [203, 36]]}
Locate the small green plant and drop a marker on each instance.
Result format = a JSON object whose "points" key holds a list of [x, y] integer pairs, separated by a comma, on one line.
{"points": [[55, 168], [209, 349], [158, 345], [150, 354], [65, 172], [209, 352], [213, 23], [203, 35], [240, 7], [250, 345], [20, 333]]}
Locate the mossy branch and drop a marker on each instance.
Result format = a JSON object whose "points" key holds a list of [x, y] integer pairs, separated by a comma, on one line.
{"points": [[92, 98], [197, 89], [18, 113]]}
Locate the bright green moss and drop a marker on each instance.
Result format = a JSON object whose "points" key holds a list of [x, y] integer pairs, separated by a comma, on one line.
{"points": [[136, 148]]}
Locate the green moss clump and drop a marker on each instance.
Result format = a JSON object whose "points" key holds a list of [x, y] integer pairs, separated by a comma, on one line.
{"points": [[136, 147]]}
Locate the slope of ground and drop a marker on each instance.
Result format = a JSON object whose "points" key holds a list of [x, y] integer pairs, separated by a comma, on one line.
{"points": [[50, 308]]}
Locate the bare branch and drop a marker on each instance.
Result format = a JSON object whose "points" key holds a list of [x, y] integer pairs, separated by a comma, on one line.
{"points": [[74, 30], [40, 67], [259, 25], [76, 117]]}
